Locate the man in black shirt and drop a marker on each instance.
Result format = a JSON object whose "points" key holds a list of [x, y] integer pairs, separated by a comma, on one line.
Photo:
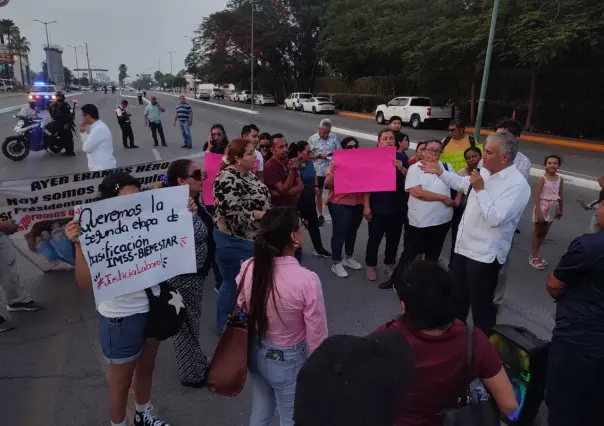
{"points": [[62, 123], [574, 393], [123, 119]]}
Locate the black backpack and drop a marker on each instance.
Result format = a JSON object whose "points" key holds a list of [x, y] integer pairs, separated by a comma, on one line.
{"points": [[448, 139], [166, 312]]}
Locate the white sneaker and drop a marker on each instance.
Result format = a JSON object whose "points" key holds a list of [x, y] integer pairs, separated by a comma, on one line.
{"points": [[339, 270], [352, 263]]}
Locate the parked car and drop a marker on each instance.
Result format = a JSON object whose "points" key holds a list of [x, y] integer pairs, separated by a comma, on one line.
{"points": [[245, 96], [264, 100], [414, 110], [234, 96], [317, 105], [294, 101], [217, 94], [6, 85], [204, 96]]}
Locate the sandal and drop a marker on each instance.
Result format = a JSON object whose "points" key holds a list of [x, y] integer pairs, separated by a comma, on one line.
{"points": [[543, 261], [536, 263]]}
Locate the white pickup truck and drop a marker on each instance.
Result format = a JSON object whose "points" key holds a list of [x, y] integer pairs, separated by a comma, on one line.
{"points": [[414, 110]]}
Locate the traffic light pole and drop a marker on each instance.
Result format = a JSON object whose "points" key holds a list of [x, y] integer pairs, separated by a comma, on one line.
{"points": [[485, 74]]}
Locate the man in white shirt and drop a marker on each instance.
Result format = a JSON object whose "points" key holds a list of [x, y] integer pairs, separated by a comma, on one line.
{"points": [[497, 196], [98, 143], [252, 134], [430, 210]]}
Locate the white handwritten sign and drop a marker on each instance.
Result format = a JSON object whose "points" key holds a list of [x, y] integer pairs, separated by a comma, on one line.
{"points": [[133, 242]]}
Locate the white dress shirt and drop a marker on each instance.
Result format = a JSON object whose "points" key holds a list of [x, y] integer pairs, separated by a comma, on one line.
{"points": [[522, 163], [98, 146], [491, 216], [423, 214]]}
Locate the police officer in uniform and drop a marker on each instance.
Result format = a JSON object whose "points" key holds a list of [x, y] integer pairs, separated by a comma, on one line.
{"points": [[123, 119], [62, 123]]}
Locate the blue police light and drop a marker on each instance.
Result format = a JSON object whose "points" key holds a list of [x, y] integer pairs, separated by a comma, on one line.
{"points": [[46, 96], [38, 83]]}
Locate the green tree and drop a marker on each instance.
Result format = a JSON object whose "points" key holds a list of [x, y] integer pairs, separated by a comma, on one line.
{"points": [[123, 74], [84, 81], [68, 75], [158, 76], [20, 46], [6, 27]]}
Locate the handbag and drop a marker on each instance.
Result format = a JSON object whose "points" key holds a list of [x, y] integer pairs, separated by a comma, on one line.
{"points": [[475, 407], [228, 369], [166, 312]]}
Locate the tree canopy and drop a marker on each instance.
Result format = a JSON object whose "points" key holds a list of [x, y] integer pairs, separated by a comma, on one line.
{"points": [[434, 48]]}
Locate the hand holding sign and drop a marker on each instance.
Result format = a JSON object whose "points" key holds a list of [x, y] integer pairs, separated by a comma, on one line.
{"points": [[136, 241]]}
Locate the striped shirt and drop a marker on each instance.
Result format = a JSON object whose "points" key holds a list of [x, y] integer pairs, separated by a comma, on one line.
{"points": [[184, 112]]}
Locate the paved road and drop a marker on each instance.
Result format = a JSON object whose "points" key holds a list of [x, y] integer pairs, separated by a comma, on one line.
{"points": [[51, 371]]}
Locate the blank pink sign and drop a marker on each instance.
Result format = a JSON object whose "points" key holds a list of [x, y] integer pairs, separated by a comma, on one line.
{"points": [[364, 170], [211, 165]]}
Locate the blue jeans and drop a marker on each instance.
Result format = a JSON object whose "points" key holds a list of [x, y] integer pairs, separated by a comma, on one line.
{"points": [[122, 339], [185, 129], [273, 371], [231, 252], [346, 221]]}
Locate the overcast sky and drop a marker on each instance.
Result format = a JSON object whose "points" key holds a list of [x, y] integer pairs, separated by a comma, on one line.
{"points": [[132, 32]]}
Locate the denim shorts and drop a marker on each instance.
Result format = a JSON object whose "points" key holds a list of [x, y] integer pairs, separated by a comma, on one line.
{"points": [[122, 339]]}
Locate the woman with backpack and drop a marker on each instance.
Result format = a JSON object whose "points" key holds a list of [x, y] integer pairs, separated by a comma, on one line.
{"points": [[127, 342]]}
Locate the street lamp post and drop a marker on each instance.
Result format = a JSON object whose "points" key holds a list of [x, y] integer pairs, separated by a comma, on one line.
{"points": [[171, 72], [485, 73], [46, 24], [75, 49], [252, 61]]}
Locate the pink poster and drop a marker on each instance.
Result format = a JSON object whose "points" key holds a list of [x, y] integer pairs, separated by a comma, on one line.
{"points": [[211, 164], [364, 170]]}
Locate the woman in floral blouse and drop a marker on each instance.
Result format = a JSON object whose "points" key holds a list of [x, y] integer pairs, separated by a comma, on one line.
{"points": [[241, 200]]}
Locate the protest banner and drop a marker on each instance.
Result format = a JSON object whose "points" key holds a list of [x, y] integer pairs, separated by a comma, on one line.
{"points": [[364, 170], [43, 206], [211, 167], [456, 158], [136, 241]]}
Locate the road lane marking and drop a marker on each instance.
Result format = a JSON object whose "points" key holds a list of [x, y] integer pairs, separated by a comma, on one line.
{"points": [[570, 178], [247, 111], [156, 154], [15, 108]]}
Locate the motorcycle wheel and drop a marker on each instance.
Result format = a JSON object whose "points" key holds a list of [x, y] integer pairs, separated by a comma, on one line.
{"points": [[15, 148]]}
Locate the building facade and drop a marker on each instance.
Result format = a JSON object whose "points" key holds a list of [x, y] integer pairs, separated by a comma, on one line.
{"points": [[54, 64]]}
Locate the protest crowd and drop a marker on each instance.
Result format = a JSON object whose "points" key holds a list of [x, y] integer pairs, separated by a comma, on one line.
{"points": [[248, 232]]}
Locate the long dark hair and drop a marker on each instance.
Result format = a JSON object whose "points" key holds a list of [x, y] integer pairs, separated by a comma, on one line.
{"points": [[426, 288], [221, 128], [296, 148], [276, 228]]}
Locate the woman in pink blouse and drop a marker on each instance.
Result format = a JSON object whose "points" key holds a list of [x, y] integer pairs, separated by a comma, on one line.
{"points": [[286, 312]]}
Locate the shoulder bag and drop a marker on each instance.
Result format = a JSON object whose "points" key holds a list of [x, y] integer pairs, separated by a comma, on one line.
{"points": [[475, 406], [228, 369], [166, 312]]}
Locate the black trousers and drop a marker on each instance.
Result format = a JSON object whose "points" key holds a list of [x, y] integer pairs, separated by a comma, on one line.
{"points": [[308, 212], [140, 100], [474, 284], [67, 140], [157, 128], [427, 240], [457, 214], [574, 392], [390, 226], [127, 134]]}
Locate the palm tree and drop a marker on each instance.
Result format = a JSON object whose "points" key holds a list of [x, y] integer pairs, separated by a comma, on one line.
{"points": [[21, 47], [123, 73], [6, 26]]}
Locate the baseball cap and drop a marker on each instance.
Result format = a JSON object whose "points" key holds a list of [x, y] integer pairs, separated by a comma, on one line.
{"points": [[353, 381]]}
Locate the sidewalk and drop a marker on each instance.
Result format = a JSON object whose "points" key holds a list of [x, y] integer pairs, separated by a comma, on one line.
{"points": [[526, 137]]}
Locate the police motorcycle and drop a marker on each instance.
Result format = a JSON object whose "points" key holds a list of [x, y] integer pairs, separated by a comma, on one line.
{"points": [[32, 135]]}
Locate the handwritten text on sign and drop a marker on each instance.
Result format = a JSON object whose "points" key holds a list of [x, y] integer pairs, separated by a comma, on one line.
{"points": [[136, 241]]}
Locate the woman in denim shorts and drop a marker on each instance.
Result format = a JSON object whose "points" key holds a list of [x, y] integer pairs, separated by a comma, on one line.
{"points": [[122, 323], [286, 315]]}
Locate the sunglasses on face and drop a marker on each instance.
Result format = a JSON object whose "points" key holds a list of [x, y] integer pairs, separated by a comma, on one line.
{"points": [[351, 147], [263, 146], [217, 135], [197, 175]]}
